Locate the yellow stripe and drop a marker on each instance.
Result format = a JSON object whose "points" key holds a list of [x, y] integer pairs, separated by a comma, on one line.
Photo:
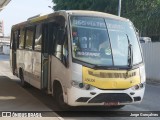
{"points": [[94, 78]]}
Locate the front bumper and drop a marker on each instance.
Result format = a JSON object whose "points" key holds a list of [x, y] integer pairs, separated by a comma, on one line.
{"points": [[98, 97]]}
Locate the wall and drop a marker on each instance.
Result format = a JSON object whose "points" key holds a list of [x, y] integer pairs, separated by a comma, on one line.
{"points": [[151, 52]]}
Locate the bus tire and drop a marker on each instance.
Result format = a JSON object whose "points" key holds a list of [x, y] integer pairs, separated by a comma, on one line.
{"points": [[59, 98], [117, 107], [23, 82]]}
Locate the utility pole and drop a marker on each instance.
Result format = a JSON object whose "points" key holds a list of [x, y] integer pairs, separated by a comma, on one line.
{"points": [[119, 8]]}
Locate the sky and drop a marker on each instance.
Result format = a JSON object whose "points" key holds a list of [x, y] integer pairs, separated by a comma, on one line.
{"points": [[20, 10]]}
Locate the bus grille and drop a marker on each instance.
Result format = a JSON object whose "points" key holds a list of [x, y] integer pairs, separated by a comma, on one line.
{"points": [[111, 97]]}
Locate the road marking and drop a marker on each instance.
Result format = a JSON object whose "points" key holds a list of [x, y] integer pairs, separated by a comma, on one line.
{"points": [[7, 97]]}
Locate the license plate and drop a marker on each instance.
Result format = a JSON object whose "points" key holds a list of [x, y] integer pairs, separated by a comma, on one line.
{"points": [[111, 103]]}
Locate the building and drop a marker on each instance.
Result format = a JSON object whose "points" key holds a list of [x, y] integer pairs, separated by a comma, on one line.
{"points": [[3, 3], [4, 41], [4, 45]]}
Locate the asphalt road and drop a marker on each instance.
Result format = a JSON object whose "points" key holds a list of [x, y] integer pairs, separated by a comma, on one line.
{"points": [[151, 102]]}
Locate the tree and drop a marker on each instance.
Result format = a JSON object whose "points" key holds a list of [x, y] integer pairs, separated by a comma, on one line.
{"points": [[101, 5], [144, 14]]}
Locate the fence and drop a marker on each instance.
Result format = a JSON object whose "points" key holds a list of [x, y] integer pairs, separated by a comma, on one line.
{"points": [[151, 52]]}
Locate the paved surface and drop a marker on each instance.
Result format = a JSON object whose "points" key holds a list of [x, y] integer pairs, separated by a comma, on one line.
{"points": [[15, 98]]}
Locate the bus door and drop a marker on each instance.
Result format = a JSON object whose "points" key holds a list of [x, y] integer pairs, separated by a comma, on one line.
{"points": [[47, 47], [15, 43]]}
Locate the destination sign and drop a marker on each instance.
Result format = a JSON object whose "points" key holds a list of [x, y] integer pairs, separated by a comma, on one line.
{"points": [[89, 23], [98, 23]]}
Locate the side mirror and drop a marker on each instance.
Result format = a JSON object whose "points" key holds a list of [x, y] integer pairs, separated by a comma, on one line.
{"points": [[137, 32], [61, 33]]}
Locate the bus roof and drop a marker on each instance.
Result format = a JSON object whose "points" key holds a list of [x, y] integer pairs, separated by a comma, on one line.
{"points": [[70, 12], [95, 13]]}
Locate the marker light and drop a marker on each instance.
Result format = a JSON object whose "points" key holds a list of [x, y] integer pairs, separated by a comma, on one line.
{"points": [[81, 85]]}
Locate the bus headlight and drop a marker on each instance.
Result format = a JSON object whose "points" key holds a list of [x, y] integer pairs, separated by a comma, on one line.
{"points": [[81, 85], [139, 86], [142, 74]]}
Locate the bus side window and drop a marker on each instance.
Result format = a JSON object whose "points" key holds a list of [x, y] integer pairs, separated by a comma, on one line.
{"points": [[58, 47], [55, 40], [51, 36], [29, 37], [61, 45], [38, 38], [15, 39], [21, 40]]}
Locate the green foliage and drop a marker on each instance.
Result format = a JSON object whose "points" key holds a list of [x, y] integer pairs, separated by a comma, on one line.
{"points": [[97, 5], [145, 14]]}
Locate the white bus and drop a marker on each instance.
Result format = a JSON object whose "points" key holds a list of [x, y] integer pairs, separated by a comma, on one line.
{"points": [[83, 58]]}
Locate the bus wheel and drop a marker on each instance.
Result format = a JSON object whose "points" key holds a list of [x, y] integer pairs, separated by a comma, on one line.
{"points": [[23, 83], [60, 99]]}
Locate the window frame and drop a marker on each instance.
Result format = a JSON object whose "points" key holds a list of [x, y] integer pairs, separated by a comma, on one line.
{"points": [[33, 37], [40, 25], [24, 30]]}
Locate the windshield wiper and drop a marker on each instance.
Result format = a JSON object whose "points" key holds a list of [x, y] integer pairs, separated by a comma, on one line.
{"points": [[130, 53]]}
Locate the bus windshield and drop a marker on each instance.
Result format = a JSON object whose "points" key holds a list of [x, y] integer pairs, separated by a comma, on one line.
{"points": [[103, 41]]}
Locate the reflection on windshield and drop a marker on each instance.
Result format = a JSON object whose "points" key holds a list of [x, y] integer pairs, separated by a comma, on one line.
{"points": [[126, 30], [102, 41], [90, 41], [119, 45]]}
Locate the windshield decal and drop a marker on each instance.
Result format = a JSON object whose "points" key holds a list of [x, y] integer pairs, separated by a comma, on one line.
{"points": [[87, 54], [108, 51]]}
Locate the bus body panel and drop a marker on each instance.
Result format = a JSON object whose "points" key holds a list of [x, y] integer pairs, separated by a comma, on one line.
{"points": [[62, 74], [76, 72], [30, 62], [36, 70]]}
